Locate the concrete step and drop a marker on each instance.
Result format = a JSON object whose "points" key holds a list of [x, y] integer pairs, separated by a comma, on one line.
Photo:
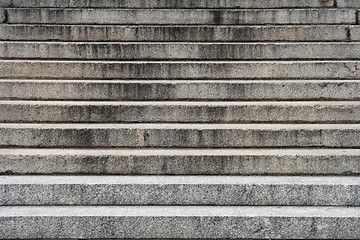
{"points": [[178, 33], [179, 112], [179, 190], [178, 51], [180, 135], [181, 161], [173, 90], [167, 4], [181, 222], [181, 16], [36, 69]]}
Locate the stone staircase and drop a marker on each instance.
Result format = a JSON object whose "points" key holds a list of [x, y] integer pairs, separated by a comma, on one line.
{"points": [[187, 119]]}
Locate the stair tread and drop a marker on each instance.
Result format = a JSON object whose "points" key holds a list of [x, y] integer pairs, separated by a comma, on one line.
{"points": [[140, 126], [181, 211], [168, 4], [179, 103], [180, 180], [179, 152]]}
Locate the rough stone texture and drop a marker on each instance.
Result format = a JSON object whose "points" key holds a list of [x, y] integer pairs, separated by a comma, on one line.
{"points": [[348, 3], [180, 135], [182, 16], [179, 51], [167, 4], [180, 112], [180, 222], [181, 161], [173, 33], [127, 90], [315, 61], [355, 33], [179, 190], [36, 69], [2, 15]]}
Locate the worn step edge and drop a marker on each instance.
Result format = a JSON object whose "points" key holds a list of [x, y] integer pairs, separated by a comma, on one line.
{"points": [[179, 190], [181, 161], [179, 33], [180, 135], [155, 90], [35, 69], [179, 112], [180, 222]]}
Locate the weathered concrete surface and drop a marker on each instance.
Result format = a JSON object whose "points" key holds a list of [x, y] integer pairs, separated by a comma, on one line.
{"points": [[173, 33], [355, 33], [180, 135], [179, 112], [2, 15], [182, 16], [36, 69], [127, 90], [348, 3], [180, 222], [179, 190], [167, 4], [181, 161], [179, 51]]}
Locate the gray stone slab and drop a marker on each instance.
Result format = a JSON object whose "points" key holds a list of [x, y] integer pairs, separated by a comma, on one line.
{"points": [[2, 15], [127, 90], [36, 69], [180, 135], [181, 16], [179, 190], [180, 222], [179, 51], [167, 4], [173, 33], [355, 33], [180, 112], [181, 161], [348, 3]]}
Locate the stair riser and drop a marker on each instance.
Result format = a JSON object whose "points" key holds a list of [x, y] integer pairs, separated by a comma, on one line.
{"points": [[44, 162], [138, 227], [177, 33], [177, 137], [185, 16], [179, 70], [178, 51], [168, 4], [180, 194], [179, 90], [186, 113]]}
